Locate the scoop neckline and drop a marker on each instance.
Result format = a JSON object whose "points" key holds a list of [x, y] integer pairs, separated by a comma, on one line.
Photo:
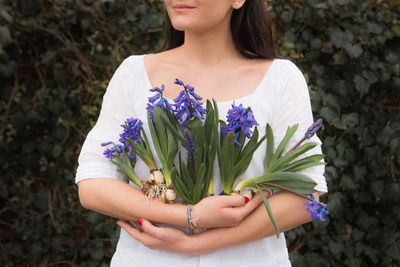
{"points": [[254, 92]]}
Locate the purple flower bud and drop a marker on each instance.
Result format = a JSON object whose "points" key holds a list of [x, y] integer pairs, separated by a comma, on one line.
{"points": [[177, 81], [189, 143], [106, 143], [196, 96], [313, 129], [152, 99], [188, 87], [119, 148], [179, 97], [156, 89], [166, 103]]}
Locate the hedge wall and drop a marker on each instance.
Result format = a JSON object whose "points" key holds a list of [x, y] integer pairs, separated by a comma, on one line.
{"points": [[56, 58], [350, 51]]}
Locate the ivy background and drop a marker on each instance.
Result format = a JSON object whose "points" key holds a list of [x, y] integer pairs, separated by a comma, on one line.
{"points": [[56, 58]]}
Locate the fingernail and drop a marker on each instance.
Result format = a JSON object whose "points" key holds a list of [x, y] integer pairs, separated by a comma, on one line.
{"points": [[246, 199], [140, 221]]}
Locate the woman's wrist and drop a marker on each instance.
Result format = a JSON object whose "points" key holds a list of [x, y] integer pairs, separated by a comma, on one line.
{"points": [[194, 244], [174, 214]]}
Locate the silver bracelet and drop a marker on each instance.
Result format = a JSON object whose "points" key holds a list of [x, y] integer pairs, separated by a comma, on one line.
{"points": [[188, 212]]}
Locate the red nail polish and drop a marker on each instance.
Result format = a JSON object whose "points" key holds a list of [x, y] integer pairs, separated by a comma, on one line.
{"points": [[140, 221], [246, 199]]}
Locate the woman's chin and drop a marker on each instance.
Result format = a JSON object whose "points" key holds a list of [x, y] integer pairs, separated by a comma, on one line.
{"points": [[182, 25], [189, 28]]}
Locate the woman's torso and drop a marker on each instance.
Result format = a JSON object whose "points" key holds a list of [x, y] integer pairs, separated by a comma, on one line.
{"points": [[269, 251]]}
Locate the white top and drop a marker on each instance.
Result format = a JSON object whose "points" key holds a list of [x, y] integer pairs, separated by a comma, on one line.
{"points": [[281, 99]]}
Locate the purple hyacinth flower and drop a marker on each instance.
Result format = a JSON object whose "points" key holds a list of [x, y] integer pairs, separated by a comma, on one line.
{"points": [[186, 107], [316, 210], [108, 153], [313, 129], [158, 101], [132, 128], [240, 121], [189, 143]]}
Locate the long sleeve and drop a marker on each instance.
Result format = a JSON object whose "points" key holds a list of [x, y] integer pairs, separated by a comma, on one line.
{"points": [[292, 105], [117, 106]]}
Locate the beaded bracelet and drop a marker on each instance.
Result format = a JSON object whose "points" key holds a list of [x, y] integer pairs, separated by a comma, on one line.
{"points": [[188, 212]]}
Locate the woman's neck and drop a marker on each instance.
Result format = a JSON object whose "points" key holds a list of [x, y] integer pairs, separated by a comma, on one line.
{"points": [[210, 47]]}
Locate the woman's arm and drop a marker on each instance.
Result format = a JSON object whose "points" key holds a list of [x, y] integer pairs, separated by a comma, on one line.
{"points": [[288, 209], [120, 200], [289, 212]]}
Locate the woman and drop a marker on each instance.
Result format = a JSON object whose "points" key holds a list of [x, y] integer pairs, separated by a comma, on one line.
{"points": [[224, 49]]}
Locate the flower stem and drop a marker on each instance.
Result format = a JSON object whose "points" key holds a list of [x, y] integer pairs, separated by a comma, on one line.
{"points": [[296, 145], [210, 188], [167, 176]]}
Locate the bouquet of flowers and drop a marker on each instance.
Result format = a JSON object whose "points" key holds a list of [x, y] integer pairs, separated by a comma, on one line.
{"points": [[187, 137]]}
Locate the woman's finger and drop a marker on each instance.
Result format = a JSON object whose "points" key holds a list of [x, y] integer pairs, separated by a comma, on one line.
{"points": [[245, 210], [142, 237], [233, 201], [151, 230]]}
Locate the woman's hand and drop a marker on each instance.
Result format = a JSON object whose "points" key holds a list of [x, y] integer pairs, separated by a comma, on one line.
{"points": [[223, 211], [289, 211], [214, 211], [160, 238]]}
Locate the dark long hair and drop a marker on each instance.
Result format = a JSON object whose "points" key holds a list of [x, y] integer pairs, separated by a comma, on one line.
{"points": [[251, 29]]}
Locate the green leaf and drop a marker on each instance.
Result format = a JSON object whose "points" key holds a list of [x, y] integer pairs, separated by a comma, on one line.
{"points": [[160, 130], [172, 146], [362, 85], [199, 183], [354, 51], [196, 128], [171, 127], [269, 211], [350, 120], [186, 176], [270, 146], [294, 181], [226, 162], [155, 139], [180, 186], [289, 157], [305, 163], [247, 154], [289, 133]]}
